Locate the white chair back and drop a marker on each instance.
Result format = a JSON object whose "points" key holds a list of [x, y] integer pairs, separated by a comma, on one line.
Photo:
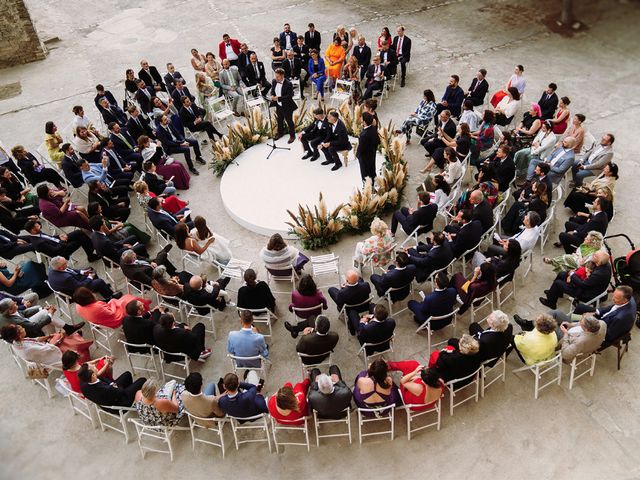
{"points": [[498, 364], [376, 415], [578, 361], [368, 356], [116, 420], [413, 416], [454, 389], [319, 421], [288, 427], [540, 369], [257, 425], [182, 362], [199, 428]]}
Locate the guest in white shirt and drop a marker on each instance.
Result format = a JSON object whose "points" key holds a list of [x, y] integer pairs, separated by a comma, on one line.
{"points": [[540, 147], [469, 116], [527, 237]]}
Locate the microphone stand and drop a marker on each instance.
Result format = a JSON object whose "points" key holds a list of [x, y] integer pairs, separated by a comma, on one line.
{"points": [[273, 146]]}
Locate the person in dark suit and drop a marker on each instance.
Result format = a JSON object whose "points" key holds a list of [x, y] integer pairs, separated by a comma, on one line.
{"points": [[125, 145], [118, 168], [312, 38], [402, 46], [314, 134], [67, 280], [388, 59], [100, 93], [171, 337], [376, 73], [353, 292], [576, 232], [254, 74], [170, 78], [138, 325], [376, 328], [432, 256], [119, 393], [192, 117], [111, 113], [397, 276], [12, 246], [111, 249], [155, 182], [140, 270], [292, 67], [181, 91], [137, 125], [619, 316], [584, 290], [478, 88], [244, 58], [548, 102], [196, 293], [444, 124], [422, 216], [329, 395], [482, 210], [441, 301], [318, 340], [452, 98], [282, 99], [457, 363], [362, 52], [174, 142], [301, 51], [368, 148], [53, 245], [493, 340], [144, 96], [241, 399], [151, 76], [502, 166], [337, 139], [287, 37], [163, 220], [70, 166], [468, 236]]}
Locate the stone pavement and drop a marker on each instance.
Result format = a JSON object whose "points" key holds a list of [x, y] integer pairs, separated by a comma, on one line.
{"points": [[588, 432]]}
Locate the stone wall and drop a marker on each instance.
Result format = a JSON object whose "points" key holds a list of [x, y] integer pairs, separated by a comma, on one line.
{"points": [[19, 42]]}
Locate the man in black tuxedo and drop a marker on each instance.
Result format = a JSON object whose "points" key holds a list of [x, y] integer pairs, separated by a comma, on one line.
{"points": [[478, 89], [144, 96], [171, 76], [244, 59], [422, 216], [312, 38], [119, 393], [107, 248], [301, 51], [282, 99], [197, 294], [575, 232], [139, 270], [317, 340], [548, 102], [388, 59], [254, 74], [151, 76], [192, 117], [368, 148], [138, 325], [67, 280], [354, 291], [287, 37], [376, 74], [445, 124], [431, 256], [53, 245], [399, 275], [126, 146], [337, 139], [402, 46], [137, 125], [12, 246], [111, 113], [363, 53], [174, 142], [171, 337], [376, 328], [181, 91], [292, 67], [314, 134]]}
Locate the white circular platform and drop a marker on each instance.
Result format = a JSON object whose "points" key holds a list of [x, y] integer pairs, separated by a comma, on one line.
{"points": [[257, 192]]}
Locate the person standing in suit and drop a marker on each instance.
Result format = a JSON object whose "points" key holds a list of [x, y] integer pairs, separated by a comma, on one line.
{"points": [[431, 256], [282, 99], [174, 142], [151, 76], [67, 280], [337, 139], [402, 46], [174, 338], [192, 117], [171, 76], [318, 340], [138, 125], [368, 148], [354, 291], [314, 134], [376, 328], [375, 78], [229, 49], [441, 301], [312, 38], [244, 58], [452, 98], [254, 74], [288, 38], [119, 393], [362, 52], [397, 276], [247, 342], [548, 102], [478, 89], [575, 233], [231, 84], [594, 162], [410, 218]]}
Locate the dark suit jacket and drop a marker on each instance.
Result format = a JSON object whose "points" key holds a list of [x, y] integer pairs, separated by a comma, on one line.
{"points": [[154, 75], [484, 214], [177, 340], [598, 222], [188, 118], [137, 272], [286, 95], [493, 344], [363, 55], [392, 67], [339, 139], [423, 216], [155, 182], [166, 139], [314, 344], [201, 298], [480, 93], [247, 403], [177, 97], [354, 294], [375, 332], [140, 330], [249, 75], [256, 297], [44, 245], [594, 284], [548, 106], [302, 54], [67, 281], [620, 321], [406, 48], [290, 72], [437, 304], [454, 98], [313, 131], [108, 248], [136, 130], [467, 237], [449, 127], [371, 72], [395, 278], [166, 223], [436, 258], [144, 100], [121, 147], [114, 114], [453, 365], [504, 172], [170, 79], [368, 147], [313, 43], [108, 95], [103, 393], [243, 60], [9, 245], [293, 39], [72, 171]]}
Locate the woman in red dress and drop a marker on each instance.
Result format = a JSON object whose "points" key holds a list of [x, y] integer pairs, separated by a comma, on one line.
{"points": [[71, 364], [290, 403], [419, 385]]}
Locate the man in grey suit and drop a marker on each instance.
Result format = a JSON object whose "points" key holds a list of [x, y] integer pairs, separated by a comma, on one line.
{"points": [[231, 84], [583, 337], [560, 160], [594, 162], [328, 394]]}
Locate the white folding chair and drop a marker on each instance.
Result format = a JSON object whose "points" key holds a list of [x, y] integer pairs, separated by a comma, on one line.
{"points": [[412, 236], [287, 275], [172, 304], [541, 368], [390, 302], [234, 269], [297, 91], [115, 420], [179, 360], [200, 427], [253, 98], [527, 257], [319, 421], [192, 311], [79, 404], [261, 316], [219, 109], [111, 270], [192, 259], [480, 303], [63, 303], [341, 91], [366, 357], [594, 302], [103, 336], [150, 436], [427, 326], [453, 391], [146, 357], [579, 360], [297, 311], [343, 311], [239, 364], [376, 415], [504, 284], [492, 364], [257, 423], [368, 260], [326, 265], [289, 427], [545, 227], [414, 415], [463, 257], [316, 361]]}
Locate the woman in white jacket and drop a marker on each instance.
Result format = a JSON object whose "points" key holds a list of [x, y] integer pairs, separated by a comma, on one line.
{"points": [[540, 148]]}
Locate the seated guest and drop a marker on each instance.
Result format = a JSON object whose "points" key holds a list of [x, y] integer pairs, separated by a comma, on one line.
{"points": [[141, 269], [374, 387], [529, 126], [175, 338], [355, 291], [174, 142], [138, 125], [111, 112], [26, 275], [170, 203], [151, 76], [419, 386], [527, 237], [56, 207], [507, 108], [494, 340], [376, 248], [576, 131], [289, 404], [206, 294], [314, 134], [168, 168], [469, 116], [242, 399], [580, 289], [278, 256], [329, 395], [375, 78], [441, 301], [193, 118], [337, 140], [33, 170], [410, 218], [505, 258], [306, 296], [53, 141], [397, 276], [53, 245], [155, 183], [454, 363], [481, 211], [218, 252], [107, 248], [468, 236], [118, 167], [105, 314], [32, 319], [376, 327], [431, 256], [445, 126], [71, 366], [536, 202], [201, 402], [255, 295], [594, 161], [583, 254], [247, 342], [114, 208], [452, 97], [117, 230], [317, 73], [575, 232], [452, 167], [587, 193], [538, 344], [163, 220], [164, 285], [478, 88], [424, 114], [68, 280], [97, 172], [12, 245], [254, 74], [502, 167], [120, 392], [125, 146], [581, 338], [482, 283], [548, 102], [559, 160], [160, 405], [138, 325], [87, 144], [541, 146], [181, 91], [317, 340]]}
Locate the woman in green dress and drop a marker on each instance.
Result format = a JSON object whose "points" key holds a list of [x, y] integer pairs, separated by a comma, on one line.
{"points": [[563, 263]]}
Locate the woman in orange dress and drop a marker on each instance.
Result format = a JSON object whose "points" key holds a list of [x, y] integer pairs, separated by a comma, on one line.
{"points": [[334, 58], [106, 314]]}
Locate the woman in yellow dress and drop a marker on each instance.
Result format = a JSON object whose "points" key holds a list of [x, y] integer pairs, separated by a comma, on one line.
{"points": [[334, 58], [53, 140]]}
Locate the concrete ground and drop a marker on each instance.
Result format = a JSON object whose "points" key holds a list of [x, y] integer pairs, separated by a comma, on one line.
{"points": [[592, 431]]}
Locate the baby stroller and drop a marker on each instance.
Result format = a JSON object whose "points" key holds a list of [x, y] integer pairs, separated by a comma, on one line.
{"points": [[626, 270]]}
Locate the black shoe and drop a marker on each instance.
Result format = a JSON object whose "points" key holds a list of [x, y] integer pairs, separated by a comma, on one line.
{"points": [[292, 139], [314, 158], [326, 162], [220, 386], [546, 303], [201, 161], [278, 136], [336, 167], [402, 84], [117, 295], [293, 331], [223, 282], [557, 244], [71, 329], [168, 247], [525, 324], [546, 292], [307, 155], [194, 171]]}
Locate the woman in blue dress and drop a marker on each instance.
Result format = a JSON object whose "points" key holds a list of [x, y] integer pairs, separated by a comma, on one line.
{"points": [[26, 275]]}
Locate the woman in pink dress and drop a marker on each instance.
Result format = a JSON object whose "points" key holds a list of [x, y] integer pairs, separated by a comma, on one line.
{"points": [[106, 314], [165, 166]]}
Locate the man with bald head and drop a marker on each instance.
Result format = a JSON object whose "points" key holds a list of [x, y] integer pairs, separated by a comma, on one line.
{"points": [[481, 212], [202, 294], [151, 76], [560, 160], [354, 291]]}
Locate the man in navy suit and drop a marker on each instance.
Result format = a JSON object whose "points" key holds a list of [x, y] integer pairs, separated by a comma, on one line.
{"points": [[337, 139], [376, 328], [375, 78], [119, 393], [241, 399], [402, 46], [70, 166], [192, 117], [441, 301], [102, 93], [111, 113], [137, 125], [174, 142], [118, 168], [388, 59], [11, 245], [468, 236], [67, 280], [181, 91], [107, 248], [353, 292], [410, 218], [163, 220], [432, 256], [171, 76], [548, 102], [312, 38], [399, 275], [619, 316], [452, 98], [368, 148], [144, 94], [478, 89], [576, 232], [125, 145], [288, 39]]}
